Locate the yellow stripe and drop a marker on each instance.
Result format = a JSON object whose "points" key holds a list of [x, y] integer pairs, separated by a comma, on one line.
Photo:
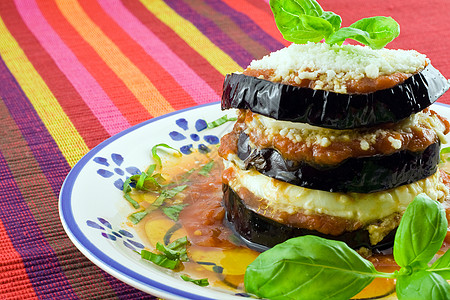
{"points": [[134, 79], [58, 124], [192, 36]]}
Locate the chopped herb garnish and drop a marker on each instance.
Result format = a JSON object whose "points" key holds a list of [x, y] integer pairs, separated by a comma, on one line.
{"points": [[186, 175], [442, 153], [151, 169], [206, 169], [200, 282], [126, 193], [178, 253], [146, 181], [160, 259], [137, 216], [170, 256], [155, 154], [131, 200], [140, 182], [173, 192], [220, 121], [173, 211]]}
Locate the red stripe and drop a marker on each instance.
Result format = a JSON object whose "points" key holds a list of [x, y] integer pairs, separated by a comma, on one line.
{"points": [[263, 5], [160, 78], [79, 113], [193, 59], [261, 15], [113, 86], [14, 280]]}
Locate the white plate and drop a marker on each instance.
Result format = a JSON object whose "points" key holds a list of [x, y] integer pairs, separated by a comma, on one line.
{"points": [[93, 210]]}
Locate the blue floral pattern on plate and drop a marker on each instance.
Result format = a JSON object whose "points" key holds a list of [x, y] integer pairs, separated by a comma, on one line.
{"points": [[115, 169], [194, 137], [188, 139], [108, 232]]}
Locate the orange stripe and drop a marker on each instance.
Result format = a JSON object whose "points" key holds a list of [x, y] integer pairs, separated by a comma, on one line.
{"points": [[134, 79], [14, 280]]}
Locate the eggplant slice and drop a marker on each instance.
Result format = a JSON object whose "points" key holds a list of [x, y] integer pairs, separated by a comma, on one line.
{"points": [[366, 174], [334, 110], [261, 233]]}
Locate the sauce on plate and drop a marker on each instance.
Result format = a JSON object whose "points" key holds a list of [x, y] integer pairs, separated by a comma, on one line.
{"points": [[215, 252]]}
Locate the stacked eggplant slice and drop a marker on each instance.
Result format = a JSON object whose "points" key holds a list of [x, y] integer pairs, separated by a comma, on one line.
{"points": [[333, 141]]}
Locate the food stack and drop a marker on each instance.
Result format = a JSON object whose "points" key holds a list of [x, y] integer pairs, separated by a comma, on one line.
{"points": [[333, 141]]}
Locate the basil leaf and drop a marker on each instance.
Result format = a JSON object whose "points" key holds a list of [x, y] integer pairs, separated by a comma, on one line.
{"points": [[140, 182], [131, 200], [171, 254], [155, 154], [165, 194], [220, 121], [180, 245], [151, 169], [375, 32], [309, 267], [442, 155], [442, 265], [422, 285], [334, 19], [173, 192], [200, 282], [126, 190], [302, 21], [173, 211], [445, 150], [137, 216], [186, 175], [160, 259], [206, 168], [421, 232]]}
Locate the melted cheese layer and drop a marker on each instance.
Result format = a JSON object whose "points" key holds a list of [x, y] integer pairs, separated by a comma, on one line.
{"points": [[365, 208], [298, 132]]}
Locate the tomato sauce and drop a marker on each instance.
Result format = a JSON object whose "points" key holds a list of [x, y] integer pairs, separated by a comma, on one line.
{"points": [[416, 140], [215, 252]]}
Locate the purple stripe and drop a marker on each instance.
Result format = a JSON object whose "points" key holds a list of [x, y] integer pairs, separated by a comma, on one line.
{"points": [[212, 32], [247, 25], [41, 263], [46, 152]]}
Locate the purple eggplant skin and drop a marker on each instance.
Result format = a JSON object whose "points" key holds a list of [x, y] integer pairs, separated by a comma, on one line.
{"points": [[365, 174], [333, 110], [261, 233]]}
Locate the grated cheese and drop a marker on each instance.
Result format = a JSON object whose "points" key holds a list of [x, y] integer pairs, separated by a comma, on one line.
{"points": [[331, 66]]}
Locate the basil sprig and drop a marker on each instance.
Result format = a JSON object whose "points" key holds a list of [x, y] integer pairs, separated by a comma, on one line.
{"points": [[302, 21], [169, 256], [311, 267], [220, 121], [418, 239], [136, 217], [200, 282]]}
